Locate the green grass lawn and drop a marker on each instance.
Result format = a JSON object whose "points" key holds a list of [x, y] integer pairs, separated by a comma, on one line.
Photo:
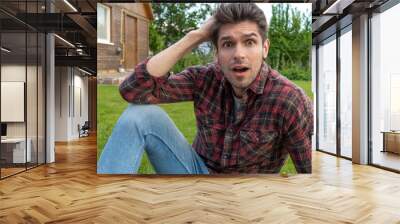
{"points": [[110, 105]]}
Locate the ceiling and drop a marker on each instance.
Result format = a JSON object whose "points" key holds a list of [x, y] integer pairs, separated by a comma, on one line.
{"points": [[330, 15], [74, 22]]}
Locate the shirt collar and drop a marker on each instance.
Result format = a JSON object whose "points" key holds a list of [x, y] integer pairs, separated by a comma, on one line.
{"points": [[257, 86]]}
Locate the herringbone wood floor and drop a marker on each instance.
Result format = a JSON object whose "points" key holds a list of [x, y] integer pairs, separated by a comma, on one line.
{"points": [[70, 191]]}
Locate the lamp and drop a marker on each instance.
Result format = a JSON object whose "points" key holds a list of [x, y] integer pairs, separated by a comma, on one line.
{"points": [[64, 40], [5, 50], [337, 7], [70, 5]]}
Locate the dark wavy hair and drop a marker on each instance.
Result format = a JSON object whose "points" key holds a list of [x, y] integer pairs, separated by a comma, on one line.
{"points": [[231, 13]]}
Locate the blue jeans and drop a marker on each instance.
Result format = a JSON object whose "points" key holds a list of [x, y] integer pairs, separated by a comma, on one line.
{"points": [[148, 127]]}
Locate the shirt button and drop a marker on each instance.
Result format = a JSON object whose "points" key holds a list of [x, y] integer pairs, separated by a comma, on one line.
{"points": [[225, 156]]}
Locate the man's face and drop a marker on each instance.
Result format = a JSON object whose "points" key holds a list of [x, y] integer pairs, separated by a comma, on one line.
{"points": [[240, 53]]}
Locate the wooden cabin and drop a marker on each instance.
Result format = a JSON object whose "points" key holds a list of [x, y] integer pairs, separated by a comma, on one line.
{"points": [[123, 36]]}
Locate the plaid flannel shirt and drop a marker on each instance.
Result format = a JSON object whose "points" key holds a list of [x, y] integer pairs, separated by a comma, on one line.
{"points": [[276, 121]]}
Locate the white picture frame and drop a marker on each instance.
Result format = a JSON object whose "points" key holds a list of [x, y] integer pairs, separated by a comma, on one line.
{"points": [[12, 101]]}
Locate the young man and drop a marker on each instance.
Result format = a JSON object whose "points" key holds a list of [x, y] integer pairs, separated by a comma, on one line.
{"points": [[249, 117]]}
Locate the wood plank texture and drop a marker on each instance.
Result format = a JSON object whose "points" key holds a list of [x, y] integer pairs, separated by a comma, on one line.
{"points": [[70, 191]]}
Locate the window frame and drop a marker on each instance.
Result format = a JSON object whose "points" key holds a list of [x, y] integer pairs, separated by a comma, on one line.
{"points": [[108, 25]]}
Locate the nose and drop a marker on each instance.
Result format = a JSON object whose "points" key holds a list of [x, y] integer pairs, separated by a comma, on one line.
{"points": [[238, 54]]}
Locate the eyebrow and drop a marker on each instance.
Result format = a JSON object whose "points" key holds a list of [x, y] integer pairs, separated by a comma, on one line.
{"points": [[245, 36], [250, 35]]}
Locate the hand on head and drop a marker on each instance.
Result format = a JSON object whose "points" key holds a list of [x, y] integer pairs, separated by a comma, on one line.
{"points": [[205, 29]]}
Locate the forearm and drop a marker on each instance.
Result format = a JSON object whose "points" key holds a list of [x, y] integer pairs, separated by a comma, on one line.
{"points": [[147, 84], [162, 62], [142, 88]]}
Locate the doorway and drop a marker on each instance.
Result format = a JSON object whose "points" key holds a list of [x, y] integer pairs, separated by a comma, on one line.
{"points": [[130, 42]]}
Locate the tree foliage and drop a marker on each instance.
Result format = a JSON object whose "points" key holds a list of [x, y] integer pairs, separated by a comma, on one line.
{"points": [[290, 39], [171, 22]]}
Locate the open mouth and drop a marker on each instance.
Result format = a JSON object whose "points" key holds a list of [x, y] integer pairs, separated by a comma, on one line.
{"points": [[240, 69]]}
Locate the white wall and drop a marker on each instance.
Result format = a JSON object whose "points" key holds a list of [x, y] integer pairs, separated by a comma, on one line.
{"points": [[33, 126], [61, 103], [69, 85], [80, 118], [12, 73]]}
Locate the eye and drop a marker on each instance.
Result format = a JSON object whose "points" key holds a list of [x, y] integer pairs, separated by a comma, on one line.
{"points": [[227, 44], [249, 42]]}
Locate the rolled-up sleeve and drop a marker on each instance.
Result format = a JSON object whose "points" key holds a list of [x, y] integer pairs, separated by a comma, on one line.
{"points": [[142, 88]]}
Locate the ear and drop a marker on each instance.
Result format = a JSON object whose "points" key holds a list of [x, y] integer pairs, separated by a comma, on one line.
{"points": [[265, 48]]}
